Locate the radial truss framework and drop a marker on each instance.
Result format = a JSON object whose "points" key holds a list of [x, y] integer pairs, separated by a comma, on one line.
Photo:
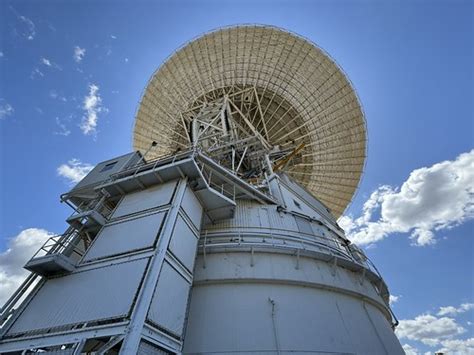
{"points": [[289, 90]]}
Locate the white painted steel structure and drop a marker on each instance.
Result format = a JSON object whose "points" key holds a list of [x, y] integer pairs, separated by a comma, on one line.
{"points": [[218, 248]]}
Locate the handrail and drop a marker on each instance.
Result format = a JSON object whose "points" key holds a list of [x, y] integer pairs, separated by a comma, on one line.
{"points": [[220, 239], [294, 236], [96, 204], [307, 242], [218, 187], [10, 303], [59, 244], [151, 165], [282, 231]]}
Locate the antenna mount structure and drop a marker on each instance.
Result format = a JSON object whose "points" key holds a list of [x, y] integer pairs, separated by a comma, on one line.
{"points": [[242, 91]]}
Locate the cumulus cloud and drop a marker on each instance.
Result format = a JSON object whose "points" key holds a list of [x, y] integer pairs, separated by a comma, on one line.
{"points": [[410, 350], [429, 329], [74, 170], [452, 311], [457, 347], [432, 199], [79, 54], [5, 110], [19, 250], [92, 106]]}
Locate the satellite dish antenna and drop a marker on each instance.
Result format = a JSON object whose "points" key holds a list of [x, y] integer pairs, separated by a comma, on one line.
{"points": [[293, 95], [180, 254]]}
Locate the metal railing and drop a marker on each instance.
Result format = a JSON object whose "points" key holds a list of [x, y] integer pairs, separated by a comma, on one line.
{"points": [[96, 204], [294, 242], [285, 239], [150, 165], [17, 298], [59, 244], [65, 244], [276, 238], [221, 188]]}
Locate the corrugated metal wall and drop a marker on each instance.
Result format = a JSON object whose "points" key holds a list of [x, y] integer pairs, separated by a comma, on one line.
{"points": [[192, 208], [145, 199], [183, 243], [83, 297], [125, 236], [170, 300]]}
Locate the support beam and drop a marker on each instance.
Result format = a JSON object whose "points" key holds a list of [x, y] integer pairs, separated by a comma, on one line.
{"points": [[132, 338]]}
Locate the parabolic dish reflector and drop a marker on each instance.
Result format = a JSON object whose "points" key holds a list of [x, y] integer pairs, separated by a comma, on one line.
{"points": [[301, 93]]}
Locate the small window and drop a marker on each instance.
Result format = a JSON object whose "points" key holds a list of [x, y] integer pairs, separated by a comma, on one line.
{"points": [[108, 166]]}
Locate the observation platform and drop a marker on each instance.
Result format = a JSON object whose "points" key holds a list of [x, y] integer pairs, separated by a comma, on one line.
{"points": [[50, 264], [58, 255], [215, 186]]}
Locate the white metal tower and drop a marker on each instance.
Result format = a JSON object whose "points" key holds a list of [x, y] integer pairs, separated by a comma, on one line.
{"points": [[219, 234]]}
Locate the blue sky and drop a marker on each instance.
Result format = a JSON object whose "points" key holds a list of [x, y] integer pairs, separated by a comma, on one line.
{"points": [[72, 74]]}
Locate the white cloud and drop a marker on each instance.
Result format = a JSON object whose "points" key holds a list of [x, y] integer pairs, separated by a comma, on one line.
{"points": [[432, 199], [113, 37], [55, 95], [457, 346], [393, 299], [92, 106], [429, 329], [5, 110], [126, 60], [79, 54], [74, 170], [36, 72], [452, 311], [1, 54], [46, 62], [27, 28], [20, 249], [410, 350], [63, 130], [30, 33], [49, 63]]}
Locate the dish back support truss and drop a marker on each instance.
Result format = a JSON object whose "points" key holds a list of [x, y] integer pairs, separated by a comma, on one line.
{"points": [[301, 96], [228, 130]]}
